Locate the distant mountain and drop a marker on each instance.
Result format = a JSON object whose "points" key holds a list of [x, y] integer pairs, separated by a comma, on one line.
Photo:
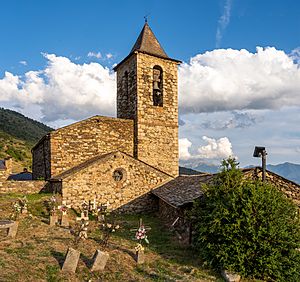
{"points": [[287, 170], [17, 136], [21, 127], [188, 171], [199, 166]]}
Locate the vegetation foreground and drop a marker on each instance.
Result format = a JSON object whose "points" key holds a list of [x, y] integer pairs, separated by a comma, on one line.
{"points": [[38, 251]]}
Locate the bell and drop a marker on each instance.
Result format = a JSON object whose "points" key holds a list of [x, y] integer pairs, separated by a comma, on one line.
{"points": [[155, 85]]}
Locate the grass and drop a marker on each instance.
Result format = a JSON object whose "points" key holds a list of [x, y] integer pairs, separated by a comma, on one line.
{"points": [[38, 251]]}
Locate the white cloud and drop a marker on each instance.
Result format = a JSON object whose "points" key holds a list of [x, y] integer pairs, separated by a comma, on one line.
{"points": [[223, 22], [228, 79], [24, 63], [63, 90], [109, 55], [238, 119], [97, 55], [295, 55], [184, 145], [214, 150]]}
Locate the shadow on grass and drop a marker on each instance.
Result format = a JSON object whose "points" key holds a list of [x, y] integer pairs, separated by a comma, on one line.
{"points": [[60, 257], [162, 240], [87, 261]]}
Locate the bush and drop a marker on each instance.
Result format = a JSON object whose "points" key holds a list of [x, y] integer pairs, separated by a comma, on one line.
{"points": [[247, 227]]}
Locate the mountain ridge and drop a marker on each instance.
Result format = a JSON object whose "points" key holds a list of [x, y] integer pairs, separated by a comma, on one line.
{"points": [[290, 171], [18, 134]]}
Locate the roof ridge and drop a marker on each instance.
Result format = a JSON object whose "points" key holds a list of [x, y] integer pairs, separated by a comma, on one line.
{"points": [[148, 43]]}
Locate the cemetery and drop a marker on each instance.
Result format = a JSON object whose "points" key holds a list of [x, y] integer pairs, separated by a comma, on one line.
{"points": [[43, 239]]}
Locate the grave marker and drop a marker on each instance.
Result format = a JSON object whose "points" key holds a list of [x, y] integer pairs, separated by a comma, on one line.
{"points": [[71, 260], [99, 260]]}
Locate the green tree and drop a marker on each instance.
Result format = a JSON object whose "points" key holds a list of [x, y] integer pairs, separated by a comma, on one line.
{"points": [[248, 227]]}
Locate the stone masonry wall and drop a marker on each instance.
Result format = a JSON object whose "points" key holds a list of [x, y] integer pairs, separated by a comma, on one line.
{"points": [[78, 142], [127, 89], [156, 128], [131, 194], [27, 187], [289, 188], [3, 175], [41, 167]]}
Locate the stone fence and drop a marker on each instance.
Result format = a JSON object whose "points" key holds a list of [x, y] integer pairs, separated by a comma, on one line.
{"points": [[28, 186]]}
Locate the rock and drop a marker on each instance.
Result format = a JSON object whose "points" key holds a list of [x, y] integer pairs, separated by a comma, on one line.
{"points": [[12, 231], [140, 257], [99, 260], [71, 260], [230, 276]]}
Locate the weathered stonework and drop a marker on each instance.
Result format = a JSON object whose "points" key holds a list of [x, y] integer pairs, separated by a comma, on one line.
{"points": [[26, 187], [94, 180], [289, 188], [121, 159], [76, 143], [156, 128], [41, 155]]}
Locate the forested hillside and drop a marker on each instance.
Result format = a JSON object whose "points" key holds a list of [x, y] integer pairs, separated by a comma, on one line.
{"points": [[17, 136]]}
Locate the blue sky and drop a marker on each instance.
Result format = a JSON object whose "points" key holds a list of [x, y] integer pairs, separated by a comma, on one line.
{"points": [[235, 98]]}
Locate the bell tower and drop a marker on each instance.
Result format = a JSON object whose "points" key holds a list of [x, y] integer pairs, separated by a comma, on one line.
{"points": [[147, 93]]}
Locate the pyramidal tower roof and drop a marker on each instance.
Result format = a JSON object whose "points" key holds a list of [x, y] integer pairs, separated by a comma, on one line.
{"points": [[148, 43]]}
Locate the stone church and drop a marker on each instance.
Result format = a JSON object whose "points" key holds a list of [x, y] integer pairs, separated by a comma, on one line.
{"points": [[120, 160]]}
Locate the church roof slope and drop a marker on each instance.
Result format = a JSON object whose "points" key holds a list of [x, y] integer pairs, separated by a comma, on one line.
{"points": [[100, 159], [148, 43], [182, 190]]}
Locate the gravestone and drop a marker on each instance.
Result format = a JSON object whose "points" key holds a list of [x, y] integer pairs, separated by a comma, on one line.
{"points": [[99, 260], [53, 219], [11, 226], [71, 261], [140, 257], [64, 220]]}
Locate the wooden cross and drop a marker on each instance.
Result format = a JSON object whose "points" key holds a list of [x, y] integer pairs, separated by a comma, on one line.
{"points": [[147, 228], [64, 204], [84, 215]]}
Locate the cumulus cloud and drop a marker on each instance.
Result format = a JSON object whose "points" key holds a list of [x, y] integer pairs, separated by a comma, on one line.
{"points": [[184, 145], [215, 149], [97, 55], [63, 90], [223, 22], [227, 79], [295, 55], [109, 55], [237, 120]]}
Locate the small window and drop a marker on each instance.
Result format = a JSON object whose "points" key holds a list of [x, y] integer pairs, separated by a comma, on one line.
{"points": [[119, 175], [157, 86]]}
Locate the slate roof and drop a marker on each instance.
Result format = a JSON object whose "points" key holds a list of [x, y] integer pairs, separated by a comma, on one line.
{"points": [[182, 190], [21, 176], [148, 43], [99, 159]]}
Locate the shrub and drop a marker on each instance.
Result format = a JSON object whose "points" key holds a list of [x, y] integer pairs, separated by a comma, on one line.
{"points": [[247, 227]]}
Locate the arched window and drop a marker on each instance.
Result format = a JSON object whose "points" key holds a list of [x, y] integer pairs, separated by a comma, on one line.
{"points": [[157, 86]]}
